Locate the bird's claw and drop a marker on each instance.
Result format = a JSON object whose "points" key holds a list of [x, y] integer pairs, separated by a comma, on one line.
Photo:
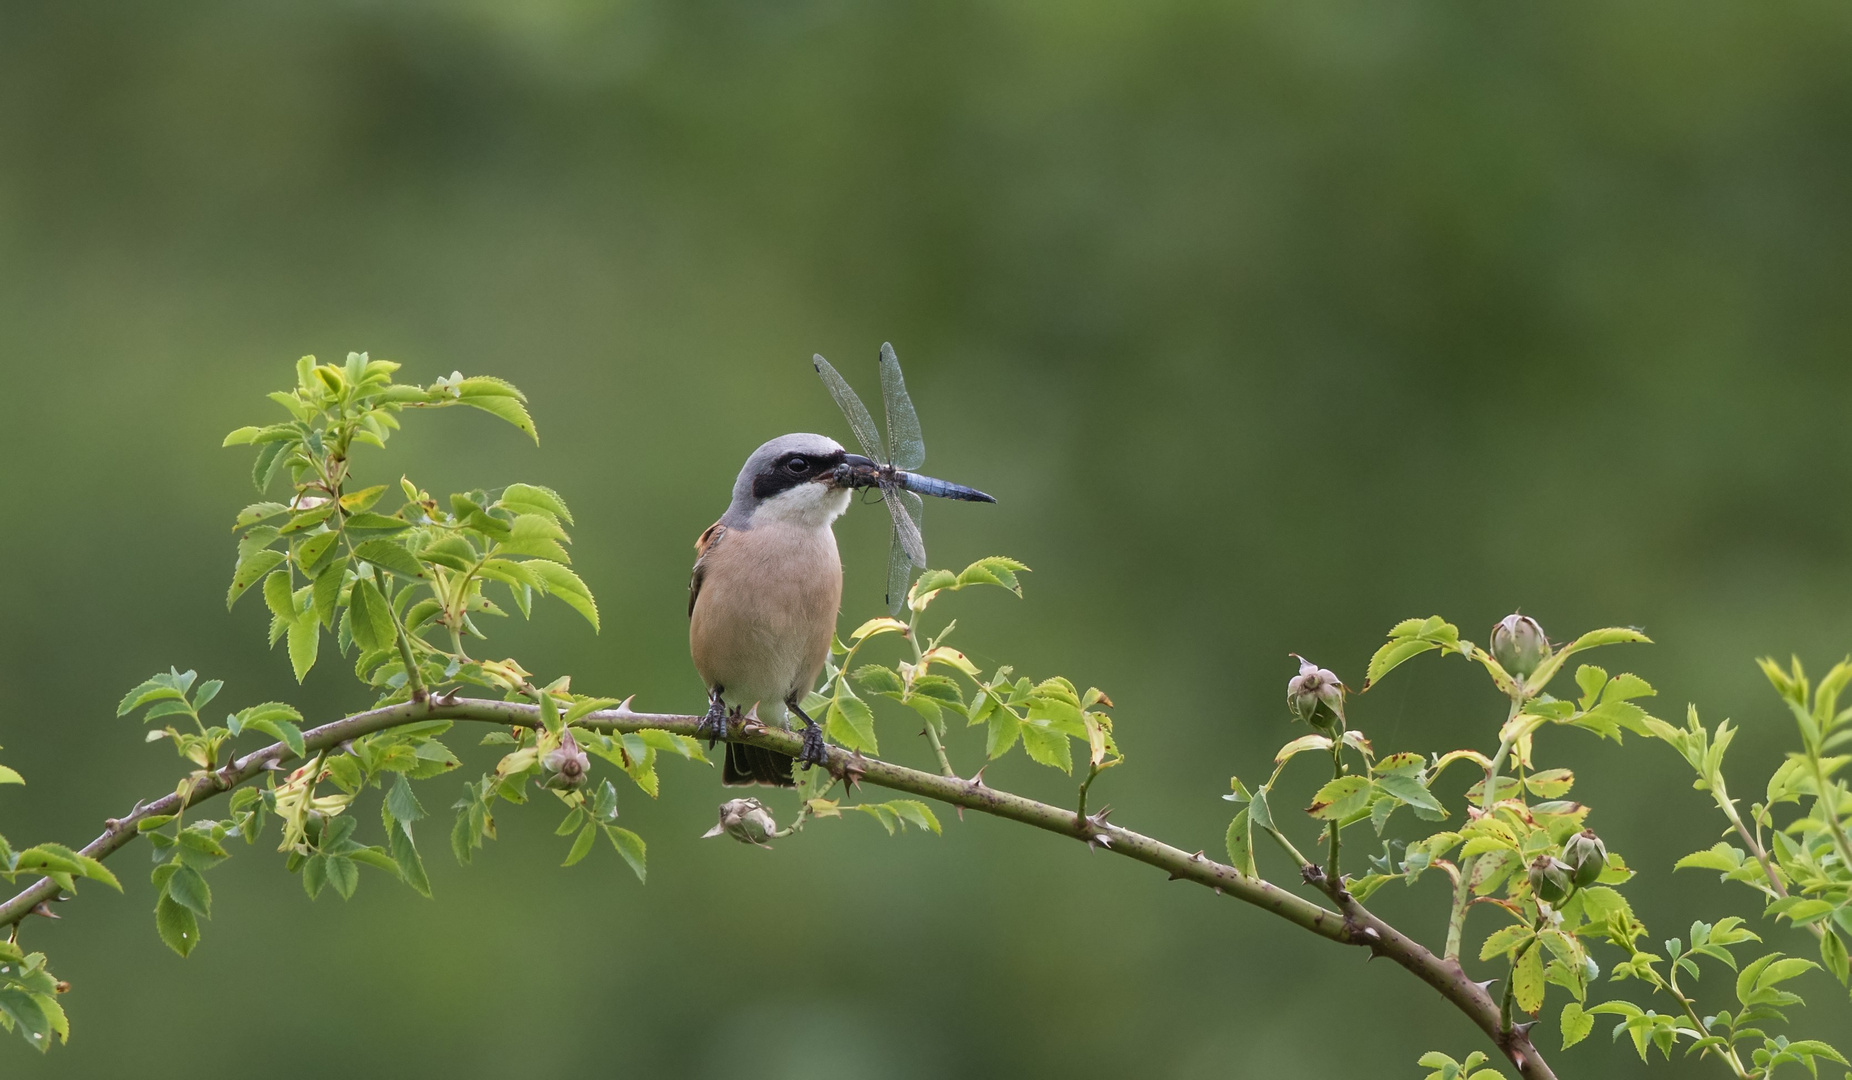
{"points": [[713, 726], [814, 751]]}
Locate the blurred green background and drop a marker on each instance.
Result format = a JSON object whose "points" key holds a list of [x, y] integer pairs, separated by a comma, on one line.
{"points": [[1269, 324]]}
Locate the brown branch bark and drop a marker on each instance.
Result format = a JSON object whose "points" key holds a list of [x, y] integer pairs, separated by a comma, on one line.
{"points": [[1350, 924]]}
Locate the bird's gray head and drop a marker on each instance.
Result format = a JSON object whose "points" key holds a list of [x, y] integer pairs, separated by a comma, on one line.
{"points": [[792, 479]]}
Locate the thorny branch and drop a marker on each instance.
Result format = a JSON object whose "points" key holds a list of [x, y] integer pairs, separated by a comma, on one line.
{"points": [[1351, 924]]}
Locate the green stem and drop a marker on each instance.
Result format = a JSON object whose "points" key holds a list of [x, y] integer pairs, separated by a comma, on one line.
{"points": [[1462, 891], [932, 734], [1332, 879], [412, 679], [1286, 845], [1827, 798], [1727, 1054]]}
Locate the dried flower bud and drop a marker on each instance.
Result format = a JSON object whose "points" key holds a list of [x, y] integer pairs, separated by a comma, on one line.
{"points": [[1587, 856], [566, 765], [1551, 879], [1316, 696], [745, 820], [1519, 644]]}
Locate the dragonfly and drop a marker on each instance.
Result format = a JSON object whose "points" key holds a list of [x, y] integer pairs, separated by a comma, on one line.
{"points": [[890, 466]]}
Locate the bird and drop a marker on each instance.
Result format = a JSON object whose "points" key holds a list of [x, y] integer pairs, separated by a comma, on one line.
{"points": [[765, 593]]}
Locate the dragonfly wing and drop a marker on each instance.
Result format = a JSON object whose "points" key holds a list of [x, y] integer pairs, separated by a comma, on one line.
{"points": [[906, 449], [899, 576], [859, 421], [904, 507], [908, 550]]}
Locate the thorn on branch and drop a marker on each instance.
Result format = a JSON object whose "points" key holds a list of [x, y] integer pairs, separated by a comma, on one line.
{"points": [[42, 908]]}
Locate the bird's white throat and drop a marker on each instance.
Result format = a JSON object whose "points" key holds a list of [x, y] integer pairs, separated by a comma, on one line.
{"points": [[811, 506]]}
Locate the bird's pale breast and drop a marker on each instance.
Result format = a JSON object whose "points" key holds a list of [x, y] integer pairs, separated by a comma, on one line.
{"points": [[766, 610]]}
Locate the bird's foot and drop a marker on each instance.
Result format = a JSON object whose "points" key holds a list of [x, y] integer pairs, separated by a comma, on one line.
{"points": [[814, 751], [713, 726]]}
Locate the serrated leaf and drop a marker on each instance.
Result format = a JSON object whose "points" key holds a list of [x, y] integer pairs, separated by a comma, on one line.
{"points": [[529, 498], [250, 570], [177, 925], [497, 398], [1575, 1024], [565, 584], [1047, 747], [1527, 980], [189, 889], [851, 723], [631, 847], [581, 844], [391, 556], [1340, 798], [304, 641]]}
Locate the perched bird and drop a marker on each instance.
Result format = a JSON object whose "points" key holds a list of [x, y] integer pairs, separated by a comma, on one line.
{"points": [[766, 588]]}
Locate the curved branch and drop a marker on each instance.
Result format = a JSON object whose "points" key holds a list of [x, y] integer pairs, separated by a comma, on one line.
{"points": [[1352, 925]]}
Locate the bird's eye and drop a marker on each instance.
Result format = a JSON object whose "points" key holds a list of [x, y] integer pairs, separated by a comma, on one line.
{"points": [[797, 465]]}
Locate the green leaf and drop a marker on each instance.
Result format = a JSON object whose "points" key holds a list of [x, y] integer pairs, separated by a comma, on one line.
{"points": [[277, 595], [851, 723], [1506, 938], [1241, 844], [405, 854], [532, 498], [631, 847], [565, 584], [876, 679], [274, 719], [159, 688], [1527, 980], [190, 890], [1340, 798], [495, 396], [581, 844], [1047, 747], [250, 570], [1575, 1024], [1409, 639], [21, 1008], [370, 617], [176, 924], [916, 813], [269, 458], [9, 776], [1550, 783], [344, 874], [402, 803], [1833, 955], [391, 556], [304, 641]]}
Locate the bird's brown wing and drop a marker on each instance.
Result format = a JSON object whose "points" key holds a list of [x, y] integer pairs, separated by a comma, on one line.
{"points": [[708, 541]]}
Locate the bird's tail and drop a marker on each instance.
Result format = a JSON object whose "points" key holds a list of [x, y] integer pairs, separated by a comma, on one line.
{"points": [[747, 765]]}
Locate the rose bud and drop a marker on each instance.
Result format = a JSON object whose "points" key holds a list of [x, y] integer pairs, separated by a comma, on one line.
{"points": [[1551, 879], [1316, 696], [566, 765], [745, 820], [1519, 644], [1587, 856]]}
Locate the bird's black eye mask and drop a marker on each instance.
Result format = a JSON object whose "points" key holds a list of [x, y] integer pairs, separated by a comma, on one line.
{"points": [[789, 470]]}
